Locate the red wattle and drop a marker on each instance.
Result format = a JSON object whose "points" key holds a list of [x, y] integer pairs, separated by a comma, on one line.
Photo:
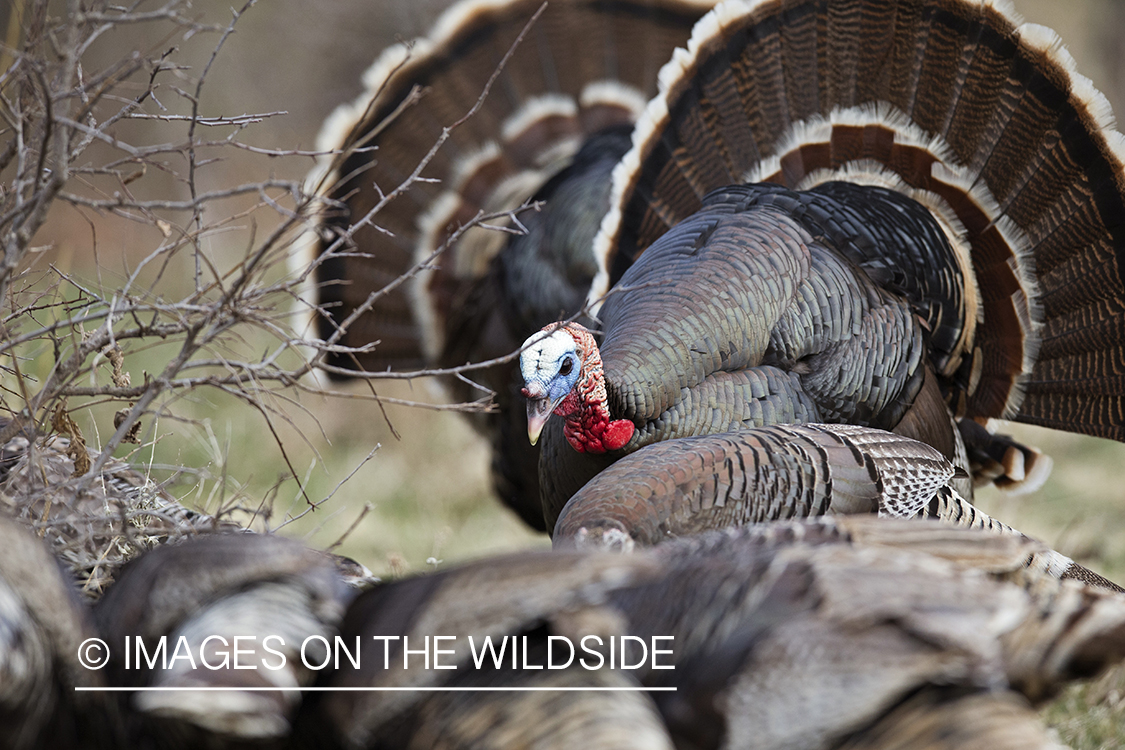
{"points": [[618, 433], [588, 427], [589, 431]]}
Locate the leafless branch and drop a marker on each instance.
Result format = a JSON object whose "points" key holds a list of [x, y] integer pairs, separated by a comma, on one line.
{"points": [[217, 322]]}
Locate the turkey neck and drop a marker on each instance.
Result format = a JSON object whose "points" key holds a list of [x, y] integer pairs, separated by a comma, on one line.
{"points": [[589, 427]]}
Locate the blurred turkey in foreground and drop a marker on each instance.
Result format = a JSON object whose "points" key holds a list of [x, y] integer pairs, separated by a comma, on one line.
{"points": [[205, 593], [839, 632], [936, 233], [552, 128], [856, 632], [42, 625], [191, 604]]}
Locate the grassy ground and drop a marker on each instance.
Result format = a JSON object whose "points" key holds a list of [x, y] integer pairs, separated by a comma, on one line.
{"points": [[422, 496]]}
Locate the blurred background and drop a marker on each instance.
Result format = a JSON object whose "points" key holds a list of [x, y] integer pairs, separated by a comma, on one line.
{"points": [[427, 488]]}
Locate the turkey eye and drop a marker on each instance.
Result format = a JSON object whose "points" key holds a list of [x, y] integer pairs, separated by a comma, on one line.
{"points": [[567, 366]]}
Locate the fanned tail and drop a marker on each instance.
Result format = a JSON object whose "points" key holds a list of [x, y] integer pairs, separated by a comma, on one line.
{"points": [[954, 103], [583, 66]]}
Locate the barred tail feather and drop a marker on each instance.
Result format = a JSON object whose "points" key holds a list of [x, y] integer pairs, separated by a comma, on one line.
{"points": [[584, 65], [956, 103]]}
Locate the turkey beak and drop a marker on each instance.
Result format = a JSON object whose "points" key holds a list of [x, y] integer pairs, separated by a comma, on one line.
{"points": [[538, 412]]}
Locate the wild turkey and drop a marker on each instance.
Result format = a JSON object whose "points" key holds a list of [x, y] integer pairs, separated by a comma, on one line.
{"points": [[840, 632], [552, 127], [200, 595], [890, 214]]}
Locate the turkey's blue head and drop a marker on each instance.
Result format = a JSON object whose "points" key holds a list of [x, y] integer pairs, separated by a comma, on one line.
{"points": [[551, 366], [562, 374]]}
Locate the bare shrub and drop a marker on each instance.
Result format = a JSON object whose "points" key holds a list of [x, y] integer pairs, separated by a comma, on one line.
{"points": [[105, 136]]}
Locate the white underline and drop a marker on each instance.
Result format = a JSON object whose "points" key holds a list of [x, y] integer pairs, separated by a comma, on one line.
{"points": [[371, 689]]}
